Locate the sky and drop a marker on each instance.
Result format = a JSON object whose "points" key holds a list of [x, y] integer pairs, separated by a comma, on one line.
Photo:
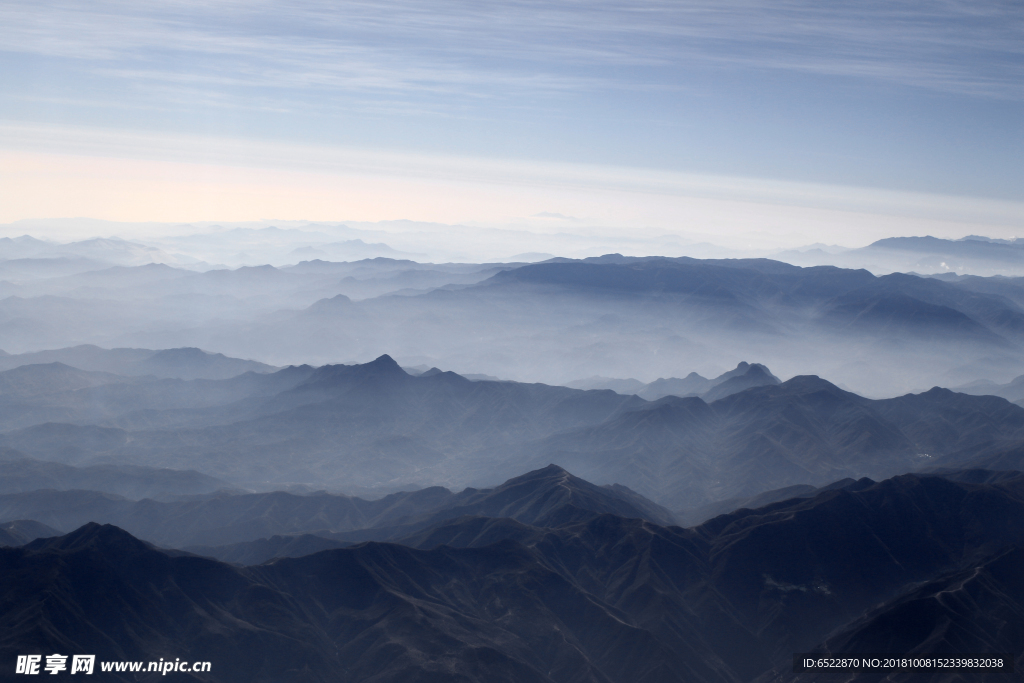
{"points": [[808, 120]]}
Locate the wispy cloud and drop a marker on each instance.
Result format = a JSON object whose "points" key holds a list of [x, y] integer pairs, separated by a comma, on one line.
{"points": [[445, 49]]}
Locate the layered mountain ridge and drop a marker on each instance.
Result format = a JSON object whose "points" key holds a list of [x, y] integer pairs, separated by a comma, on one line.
{"points": [[601, 599], [374, 425], [616, 315]]}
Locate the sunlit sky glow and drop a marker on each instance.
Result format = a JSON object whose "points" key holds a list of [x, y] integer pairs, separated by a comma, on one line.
{"points": [[821, 120]]}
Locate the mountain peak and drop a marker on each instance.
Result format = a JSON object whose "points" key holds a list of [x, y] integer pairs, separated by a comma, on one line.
{"points": [[332, 377], [106, 536], [550, 471], [745, 376], [551, 496], [810, 383], [384, 362]]}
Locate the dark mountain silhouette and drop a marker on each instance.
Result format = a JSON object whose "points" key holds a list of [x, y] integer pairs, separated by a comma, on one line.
{"points": [[977, 609], [703, 513], [605, 599]]}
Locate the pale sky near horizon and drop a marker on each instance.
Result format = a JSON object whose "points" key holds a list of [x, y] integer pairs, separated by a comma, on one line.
{"points": [[840, 122]]}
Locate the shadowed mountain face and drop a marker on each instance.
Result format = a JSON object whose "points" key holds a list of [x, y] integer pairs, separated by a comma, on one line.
{"points": [[376, 426], [978, 609], [606, 599]]}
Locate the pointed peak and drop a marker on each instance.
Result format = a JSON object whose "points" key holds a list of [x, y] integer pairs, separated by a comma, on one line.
{"points": [[552, 471], [105, 536], [384, 361]]}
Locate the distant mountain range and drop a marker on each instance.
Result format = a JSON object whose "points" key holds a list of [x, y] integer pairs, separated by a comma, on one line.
{"points": [[911, 564], [743, 377], [317, 516], [613, 315], [879, 334], [1012, 391], [374, 426], [972, 255], [22, 531], [131, 481], [186, 363], [100, 250]]}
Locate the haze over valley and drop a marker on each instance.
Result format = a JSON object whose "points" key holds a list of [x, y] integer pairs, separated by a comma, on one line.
{"points": [[639, 318], [497, 447]]}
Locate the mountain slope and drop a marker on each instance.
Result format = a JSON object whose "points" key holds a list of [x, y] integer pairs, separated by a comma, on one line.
{"points": [[376, 426], [604, 600], [548, 497], [977, 610], [685, 453]]}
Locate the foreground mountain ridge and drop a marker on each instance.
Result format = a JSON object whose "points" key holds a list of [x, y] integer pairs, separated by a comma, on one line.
{"points": [[605, 599]]}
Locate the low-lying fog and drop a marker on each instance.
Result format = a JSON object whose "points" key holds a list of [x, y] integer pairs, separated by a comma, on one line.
{"points": [[338, 296]]}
